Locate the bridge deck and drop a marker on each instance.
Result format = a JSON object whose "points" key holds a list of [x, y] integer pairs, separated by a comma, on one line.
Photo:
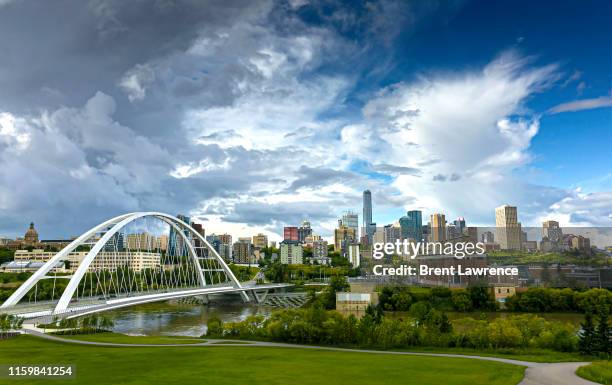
{"points": [[95, 305]]}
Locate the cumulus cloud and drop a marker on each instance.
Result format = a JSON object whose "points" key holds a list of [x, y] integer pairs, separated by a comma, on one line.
{"points": [[471, 128], [236, 113]]}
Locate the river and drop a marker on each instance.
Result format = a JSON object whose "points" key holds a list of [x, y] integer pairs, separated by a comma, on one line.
{"points": [[171, 318]]}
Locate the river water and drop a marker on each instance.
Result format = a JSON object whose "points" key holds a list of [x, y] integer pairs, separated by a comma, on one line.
{"points": [[171, 318]]}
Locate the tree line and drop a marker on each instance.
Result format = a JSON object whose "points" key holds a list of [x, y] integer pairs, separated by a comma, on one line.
{"points": [[420, 328]]}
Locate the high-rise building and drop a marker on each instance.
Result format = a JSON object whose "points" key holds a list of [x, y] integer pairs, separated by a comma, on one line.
{"points": [[242, 250], [311, 239], [367, 215], [290, 233], [176, 246], [225, 247], [200, 230], [304, 231], [319, 250], [351, 220], [459, 224], [411, 225], [291, 253], [343, 237], [260, 241], [225, 238], [487, 237], [162, 242], [438, 228], [552, 231], [508, 228], [472, 233], [353, 255], [392, 233], [141, 241]]}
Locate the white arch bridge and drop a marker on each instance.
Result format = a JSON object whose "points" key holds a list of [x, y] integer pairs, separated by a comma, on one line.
{"points": [[131, 259]]}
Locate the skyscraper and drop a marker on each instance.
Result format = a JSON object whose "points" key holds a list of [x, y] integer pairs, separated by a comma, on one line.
{"points": [[552, 231], [411, 225], [304, 231], [343, 237], [438, 228], [351, 220], [368, 225], [508, 229], [176, 246], [290, 233]]}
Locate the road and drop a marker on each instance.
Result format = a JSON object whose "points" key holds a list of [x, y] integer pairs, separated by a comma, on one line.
{"points": [[563, 373]]}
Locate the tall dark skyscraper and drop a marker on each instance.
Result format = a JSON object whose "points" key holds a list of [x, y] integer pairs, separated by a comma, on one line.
{"points": [[368, 226]]}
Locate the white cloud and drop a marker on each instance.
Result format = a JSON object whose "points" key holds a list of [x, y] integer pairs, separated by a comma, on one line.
{"points": [[582, 104], [476, 128]]}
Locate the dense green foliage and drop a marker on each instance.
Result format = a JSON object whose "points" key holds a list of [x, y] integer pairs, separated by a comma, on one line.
{"points": [[277, 272], [573, 257], [595, 339], [239, 365], [94, 323], [9, 322], [6, 255], [423, 327], [558, 300], [402, 298], [244, 273]]}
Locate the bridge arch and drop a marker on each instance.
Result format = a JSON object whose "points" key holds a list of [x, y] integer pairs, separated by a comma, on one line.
{"points": [[197, 262]]}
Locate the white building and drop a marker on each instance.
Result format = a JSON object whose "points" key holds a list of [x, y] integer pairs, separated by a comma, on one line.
{"points": [[353, 255]]}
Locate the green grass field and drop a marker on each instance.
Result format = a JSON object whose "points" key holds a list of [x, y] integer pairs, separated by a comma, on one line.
{"points": [[248, 365], [125, 339], [600, 371]]}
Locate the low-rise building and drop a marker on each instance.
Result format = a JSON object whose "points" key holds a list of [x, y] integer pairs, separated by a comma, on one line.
{"points": [[355, 302]]}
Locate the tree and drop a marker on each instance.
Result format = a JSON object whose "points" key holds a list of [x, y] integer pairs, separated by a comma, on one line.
{"points": [[602, 333], [214, 327], [336, 284], [586, 342], [481, 297], [419, 311], [461, 301]]}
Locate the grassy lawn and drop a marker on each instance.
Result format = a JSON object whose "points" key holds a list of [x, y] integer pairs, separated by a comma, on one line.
{"points": [[248, 365], [600, 371], [532, 355], [125, 339]]}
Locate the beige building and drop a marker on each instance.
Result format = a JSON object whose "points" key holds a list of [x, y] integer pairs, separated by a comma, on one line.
{"points": [[355, 303], [438, 228], [260, 241], [502, 293], [343, 236], [141, 241], [162, 242], [136, 261], [508, 229]]}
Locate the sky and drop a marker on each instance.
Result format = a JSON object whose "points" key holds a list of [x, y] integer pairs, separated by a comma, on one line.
{"points": [[252, 115]]}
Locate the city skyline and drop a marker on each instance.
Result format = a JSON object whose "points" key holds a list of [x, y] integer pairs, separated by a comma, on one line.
{"points": [[252, 116]]}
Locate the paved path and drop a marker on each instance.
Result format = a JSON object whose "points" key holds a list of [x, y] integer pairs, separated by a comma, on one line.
{"points": [[563, 373]]}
